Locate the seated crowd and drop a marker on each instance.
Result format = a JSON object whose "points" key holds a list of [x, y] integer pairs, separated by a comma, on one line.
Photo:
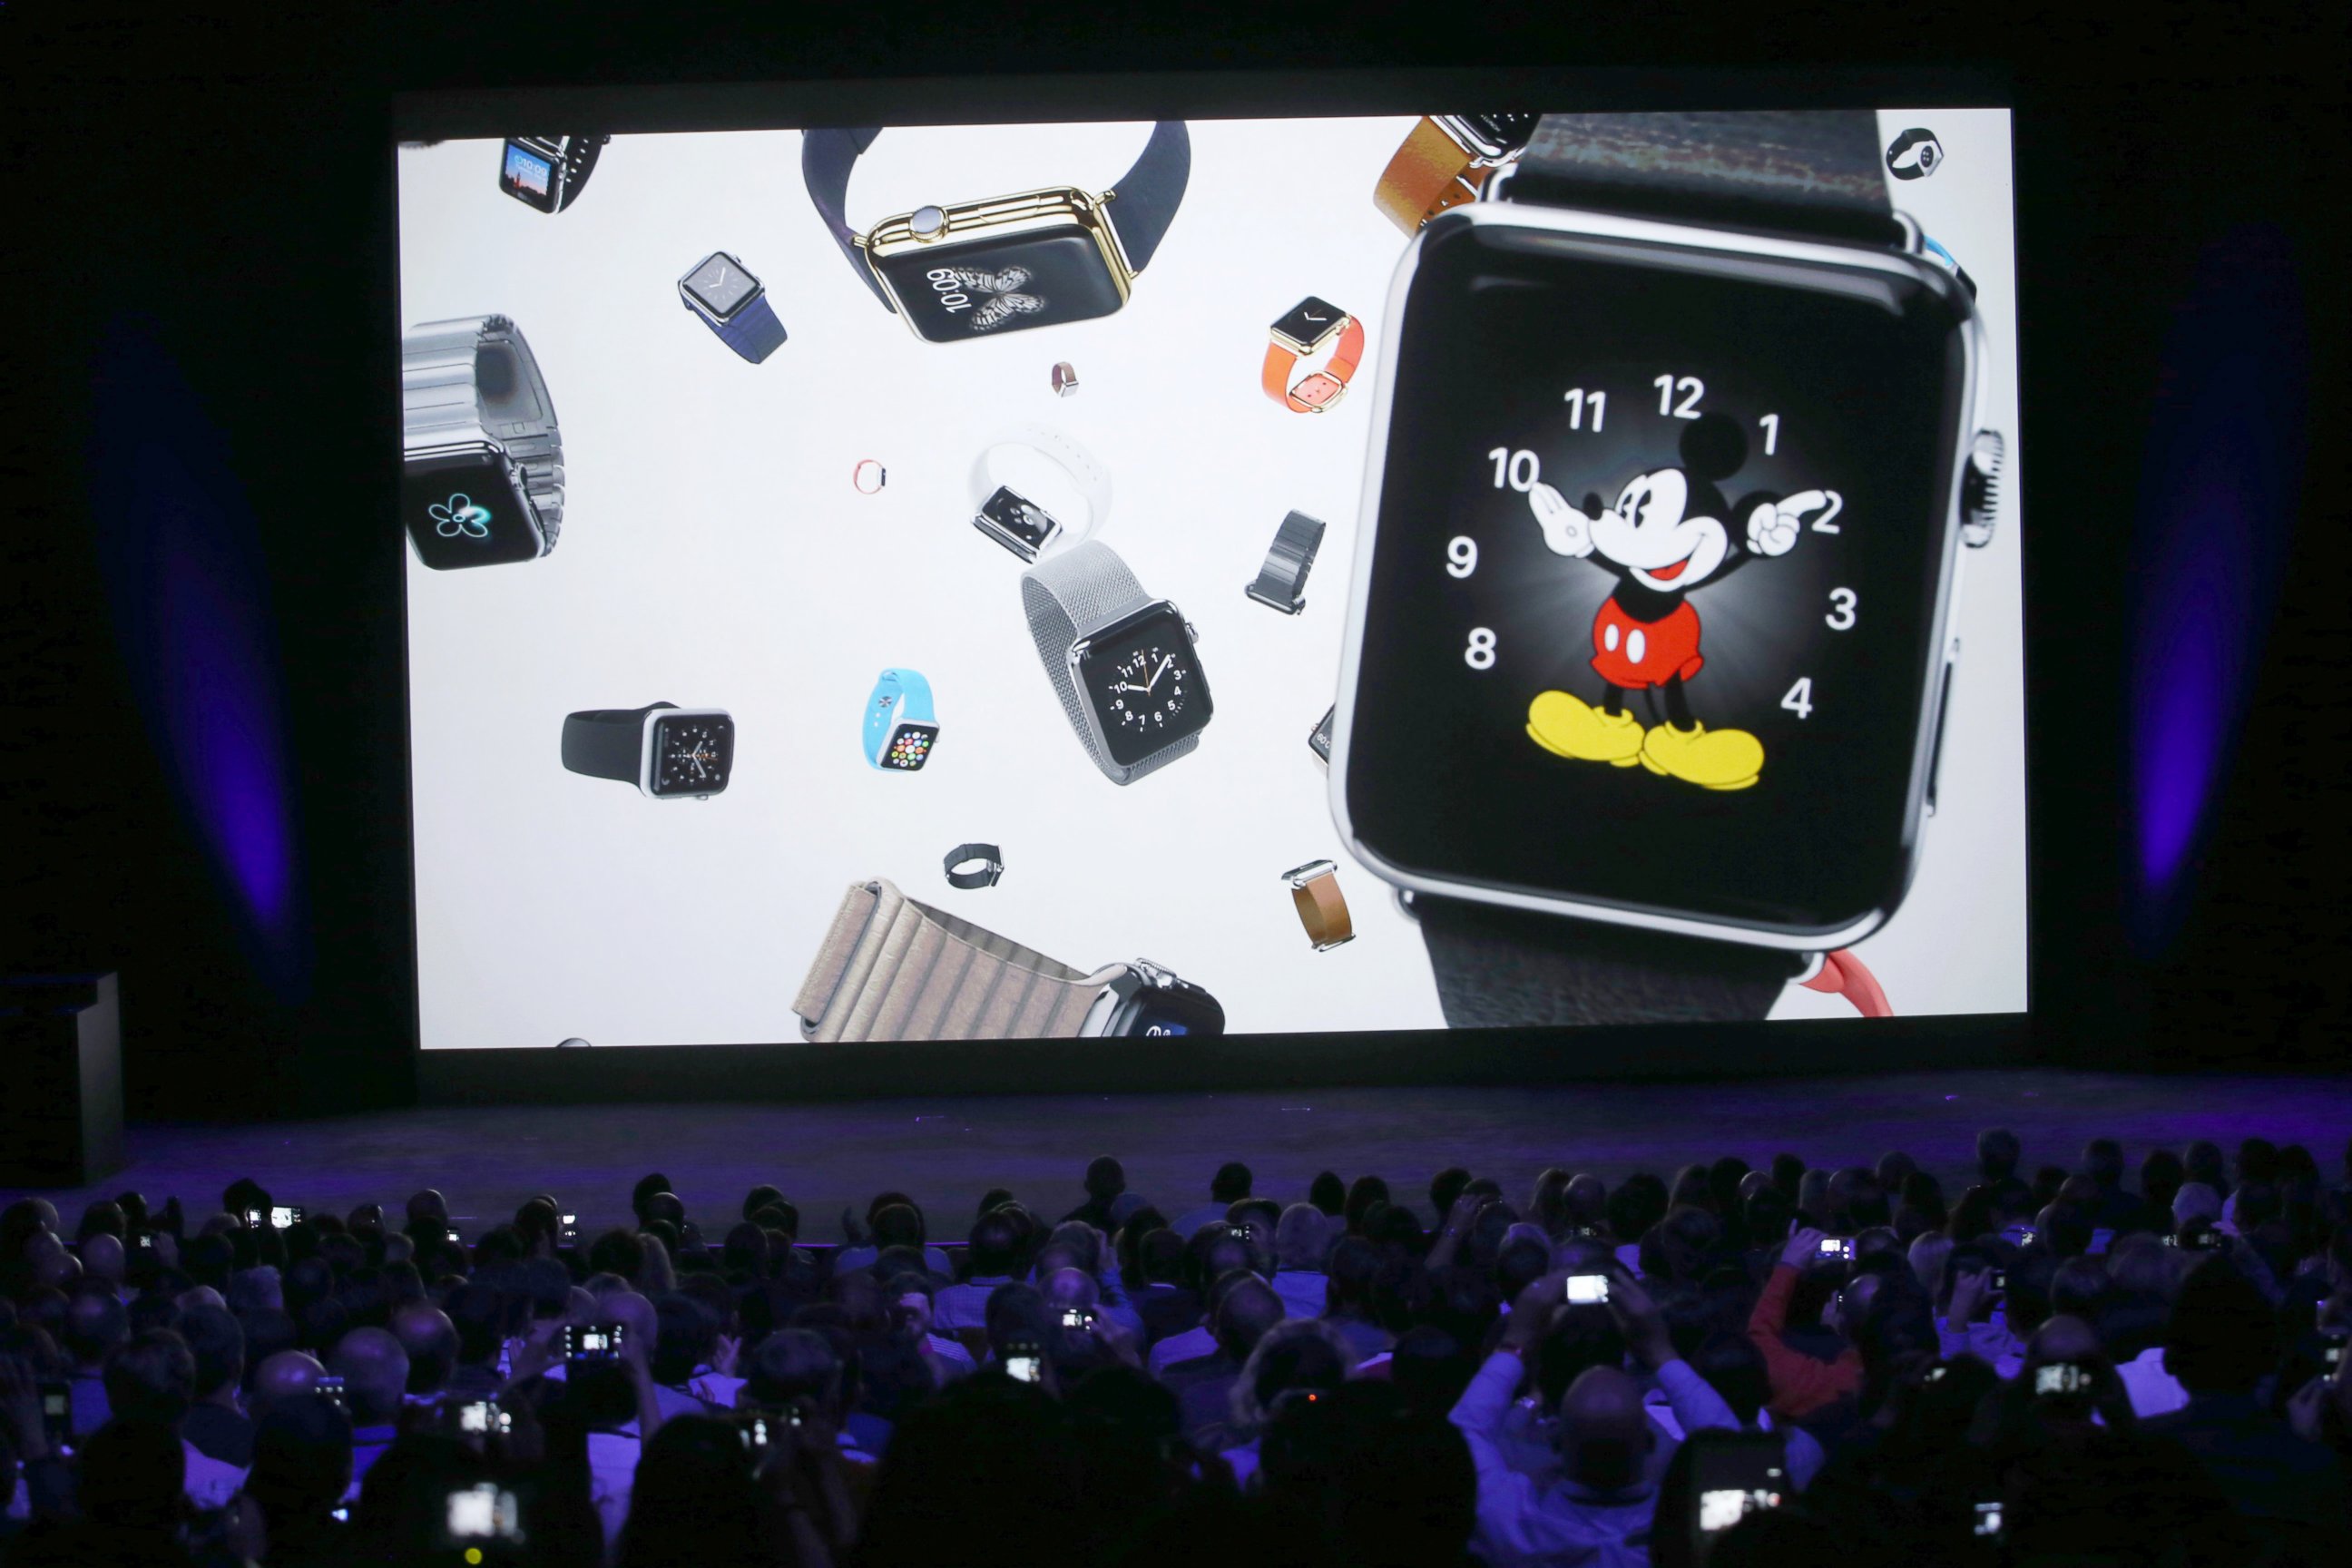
{"points": [[1738, 1366]]}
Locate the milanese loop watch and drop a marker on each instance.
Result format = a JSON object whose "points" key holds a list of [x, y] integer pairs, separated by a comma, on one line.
{"points": [[960, 270], [1122, 663], [1447, 159], [668, 752], [1650, 639], [893, 969], [481, 460]]}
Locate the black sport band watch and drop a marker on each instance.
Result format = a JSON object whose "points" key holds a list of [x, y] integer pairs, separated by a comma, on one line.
{"points": [[668, 752], [955, 271], [1698, 341]]}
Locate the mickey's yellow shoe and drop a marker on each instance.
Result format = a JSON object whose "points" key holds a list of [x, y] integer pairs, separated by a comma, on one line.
{"points": [[1563, 725], [1711, 759]]}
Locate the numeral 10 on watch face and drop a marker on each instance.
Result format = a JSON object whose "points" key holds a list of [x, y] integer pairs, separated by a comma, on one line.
{"points": [[1659, 597]]}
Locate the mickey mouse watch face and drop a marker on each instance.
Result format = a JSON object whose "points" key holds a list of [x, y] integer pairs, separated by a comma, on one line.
{"points": [[1653, 619]]}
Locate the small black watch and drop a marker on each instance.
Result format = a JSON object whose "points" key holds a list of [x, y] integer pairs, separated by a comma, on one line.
{"points": [[668, 752]]}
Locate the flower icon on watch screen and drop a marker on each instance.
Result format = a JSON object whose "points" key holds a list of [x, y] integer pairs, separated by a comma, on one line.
{"points": [[460, 516]]}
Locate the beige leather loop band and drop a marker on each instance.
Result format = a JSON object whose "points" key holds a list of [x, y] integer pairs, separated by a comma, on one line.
{"points": [[893, 969]]}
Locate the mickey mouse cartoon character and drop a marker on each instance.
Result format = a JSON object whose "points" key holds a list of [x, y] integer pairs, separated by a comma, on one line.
{"points": [[1666, 536]]}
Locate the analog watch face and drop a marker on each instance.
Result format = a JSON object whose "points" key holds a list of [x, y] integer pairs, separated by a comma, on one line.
{"points": [[1143, 678], [693, 756], [1650, 618], [721, 284]]}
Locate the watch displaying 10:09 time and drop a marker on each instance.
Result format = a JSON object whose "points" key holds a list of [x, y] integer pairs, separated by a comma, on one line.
{"points": [[668, 752], [1650, 640]]}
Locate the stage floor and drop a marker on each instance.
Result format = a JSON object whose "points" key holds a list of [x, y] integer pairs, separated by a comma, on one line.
{"points": [[945, 1152]]}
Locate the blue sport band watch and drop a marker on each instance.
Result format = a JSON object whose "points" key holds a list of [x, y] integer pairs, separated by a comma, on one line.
{"points": [[734, 304], [900, 727]]}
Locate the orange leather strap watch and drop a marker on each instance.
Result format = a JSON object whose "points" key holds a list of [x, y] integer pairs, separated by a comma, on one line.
{"points": [[1302, 332], [1315, 890], [1445, 162]]}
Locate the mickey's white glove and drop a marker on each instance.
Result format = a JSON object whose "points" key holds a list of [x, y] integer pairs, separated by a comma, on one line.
{"points": [[1566, 531], [1773, 526]]}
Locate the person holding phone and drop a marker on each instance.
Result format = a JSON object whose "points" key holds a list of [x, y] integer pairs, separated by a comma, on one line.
{"points": [[1802, 1384], [1973, 1321], [1599, 1505]]}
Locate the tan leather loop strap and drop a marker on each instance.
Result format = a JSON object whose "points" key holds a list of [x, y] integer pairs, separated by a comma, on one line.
{"points": [[1323, 912], [1429, 173]]}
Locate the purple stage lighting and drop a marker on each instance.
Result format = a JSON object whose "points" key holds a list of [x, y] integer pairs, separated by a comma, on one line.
{"points": [[185, 573], [2220, 486]]}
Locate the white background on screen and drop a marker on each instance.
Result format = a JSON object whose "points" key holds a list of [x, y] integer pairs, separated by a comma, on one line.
{"points": [[717, 554]]}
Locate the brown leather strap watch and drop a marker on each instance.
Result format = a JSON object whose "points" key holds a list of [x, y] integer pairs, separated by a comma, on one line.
{"points": [[1315, 890], [1445, 162]]}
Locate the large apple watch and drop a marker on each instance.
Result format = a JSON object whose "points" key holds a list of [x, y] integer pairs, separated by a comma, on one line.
{"points": [[900, 728], [957, 271], [668, 752], [1447, 159], [1013, 518], [1122, 663], [1650, 640], [720, 291], [547, 174], [481, 460], [893, 969]]}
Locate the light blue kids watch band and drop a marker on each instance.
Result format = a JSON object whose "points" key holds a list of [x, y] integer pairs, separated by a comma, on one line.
{"points": [[899, 726]]}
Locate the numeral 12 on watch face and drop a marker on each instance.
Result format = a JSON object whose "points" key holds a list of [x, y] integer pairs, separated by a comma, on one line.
{"points": [[1658, 599]]}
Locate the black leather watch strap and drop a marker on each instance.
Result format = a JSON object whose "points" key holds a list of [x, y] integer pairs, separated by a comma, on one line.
{"points": [[1500, 967], [1813, 171]]}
